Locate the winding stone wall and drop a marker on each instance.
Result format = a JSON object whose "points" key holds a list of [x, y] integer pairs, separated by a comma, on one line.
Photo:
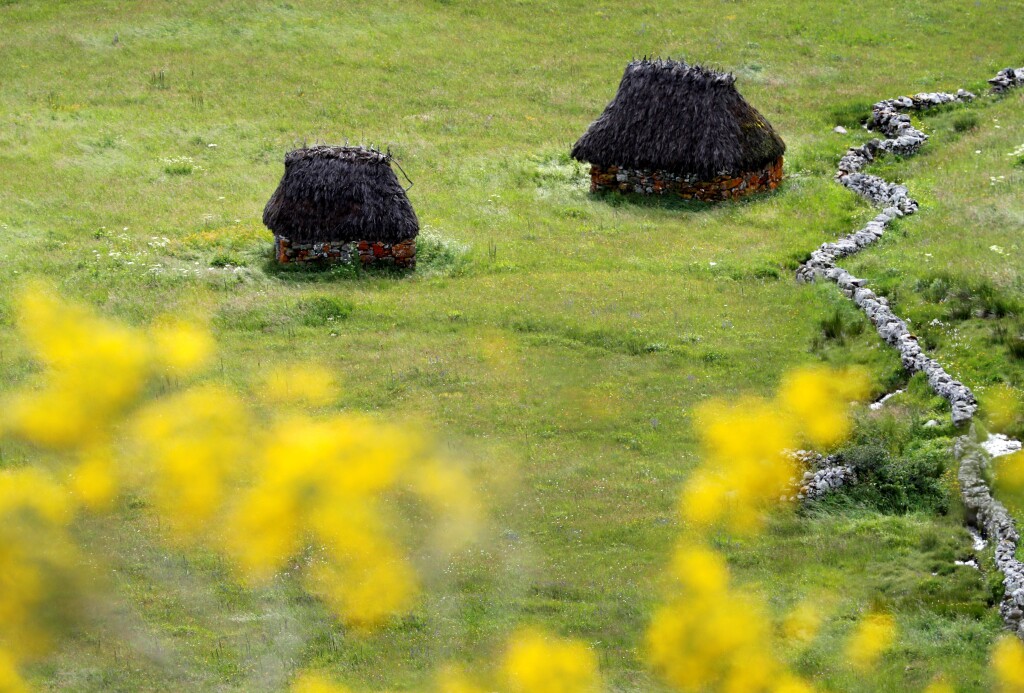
{"points": [[688, 187], [984, 512], [903, 139], [991, 517], [401, 254]]}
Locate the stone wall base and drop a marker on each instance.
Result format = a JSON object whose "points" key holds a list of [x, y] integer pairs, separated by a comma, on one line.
{"points": [[402, 255], [688, 187]]}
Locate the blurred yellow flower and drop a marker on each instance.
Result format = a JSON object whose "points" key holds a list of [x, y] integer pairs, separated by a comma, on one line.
{"points": [[939, 685], [802, 623], [181, 347], [10, 680], [452, 679], [1001, 407], [874, 634], [94, 478], [539, 663], [700, 570], [1008, 664], [819, 398], [308, 384], [95, 370], [315, 683]]}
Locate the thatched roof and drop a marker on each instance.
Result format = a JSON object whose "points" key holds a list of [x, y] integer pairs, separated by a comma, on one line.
{"points": [[340, 194], [671, 116]]}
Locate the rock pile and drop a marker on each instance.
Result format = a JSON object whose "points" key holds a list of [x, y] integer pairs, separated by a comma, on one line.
{"points": [[991, 517], [1007, 79], [824, 475]]}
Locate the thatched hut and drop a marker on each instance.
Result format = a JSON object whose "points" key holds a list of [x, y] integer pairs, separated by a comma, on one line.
{"points": [[681, 129], [337, 204]]}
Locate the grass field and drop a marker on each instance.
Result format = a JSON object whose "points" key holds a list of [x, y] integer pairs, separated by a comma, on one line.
{"points": [[557, 342]]}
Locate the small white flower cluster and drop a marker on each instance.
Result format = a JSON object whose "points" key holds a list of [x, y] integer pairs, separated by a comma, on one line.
{"points": [[1019, 151], [180, 165]]}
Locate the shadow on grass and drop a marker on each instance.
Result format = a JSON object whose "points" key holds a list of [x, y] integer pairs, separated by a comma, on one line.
{"points": [[674, 203], [324, 272]]}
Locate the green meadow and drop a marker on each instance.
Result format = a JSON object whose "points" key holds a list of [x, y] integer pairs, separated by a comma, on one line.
{"points": [[554, 342]]}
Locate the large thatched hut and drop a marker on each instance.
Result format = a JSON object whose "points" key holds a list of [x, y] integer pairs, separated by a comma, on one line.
{"points": [[681, 129], [337, 204]]}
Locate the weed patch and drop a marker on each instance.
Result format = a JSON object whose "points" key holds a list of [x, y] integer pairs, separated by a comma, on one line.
{"points": [[323, 310]]}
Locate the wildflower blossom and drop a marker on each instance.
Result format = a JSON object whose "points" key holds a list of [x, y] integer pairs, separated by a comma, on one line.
{"points": [[1008, 663], [819, 399], [873, 636], [539, 663], [802, 623], [314, 683], [265, 495], [298, 385], [939, 685]]}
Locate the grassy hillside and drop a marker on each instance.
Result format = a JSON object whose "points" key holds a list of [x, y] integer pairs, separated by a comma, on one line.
{"points": [[556, 341]]}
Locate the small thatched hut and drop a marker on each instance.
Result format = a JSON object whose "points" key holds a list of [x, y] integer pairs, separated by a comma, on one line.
{"points": [[336, 204], [681, 129]]}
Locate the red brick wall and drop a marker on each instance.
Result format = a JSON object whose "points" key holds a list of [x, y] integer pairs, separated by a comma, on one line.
{"points": [[401, 254], [645, 182]]}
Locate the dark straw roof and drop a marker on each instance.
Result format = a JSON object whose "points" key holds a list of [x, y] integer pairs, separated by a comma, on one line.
{"points": [[671, 116], [340, 194]]}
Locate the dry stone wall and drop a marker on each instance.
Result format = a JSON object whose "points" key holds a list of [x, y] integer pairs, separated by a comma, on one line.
{"points": [[688, 187], [984, 512], [402, 255], [990, 516]]}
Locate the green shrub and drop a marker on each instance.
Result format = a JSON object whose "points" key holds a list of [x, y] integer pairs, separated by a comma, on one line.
{"points": [[437, 254], [226, 260], [241, 319], [321, 310], [842, 322], [964, 298], [898, 484], [968, 120], [850, 114]]}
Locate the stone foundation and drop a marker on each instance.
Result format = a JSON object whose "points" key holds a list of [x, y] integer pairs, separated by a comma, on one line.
{"points": [[402, 255], [688, 187]]}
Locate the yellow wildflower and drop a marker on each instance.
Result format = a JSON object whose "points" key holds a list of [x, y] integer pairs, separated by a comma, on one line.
{"points": [[700, 570], [313, 385], [10, 680], [94, 479], [1008, 664], [192, 441], [452, 679], [818, 397], [874, 635], [315, 683], [939, 685], [802, 623], [1001, 406], [95, 370], [182, 347], [540, 663]]}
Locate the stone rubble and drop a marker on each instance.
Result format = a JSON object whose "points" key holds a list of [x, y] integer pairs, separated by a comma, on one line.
{"points": [[824, 475], [1007, 79]]}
